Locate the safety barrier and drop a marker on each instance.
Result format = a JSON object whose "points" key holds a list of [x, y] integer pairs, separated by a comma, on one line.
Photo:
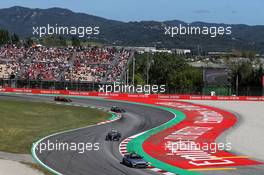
{"points": [[153, 96]]}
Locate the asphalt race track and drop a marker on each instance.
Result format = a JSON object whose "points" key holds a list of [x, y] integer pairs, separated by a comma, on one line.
{"points": [[106, 161]]}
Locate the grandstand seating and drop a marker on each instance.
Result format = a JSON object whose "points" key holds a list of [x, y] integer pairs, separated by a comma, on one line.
{"points": [[63, 64]]}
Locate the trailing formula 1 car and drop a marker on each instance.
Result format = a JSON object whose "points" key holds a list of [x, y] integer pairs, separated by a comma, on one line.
{"points": [[135, 161], [113, 135], [117, 109], [62, 99]]}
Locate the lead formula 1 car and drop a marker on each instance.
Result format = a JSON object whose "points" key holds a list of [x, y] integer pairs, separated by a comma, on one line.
{"points": [[62, 99]]}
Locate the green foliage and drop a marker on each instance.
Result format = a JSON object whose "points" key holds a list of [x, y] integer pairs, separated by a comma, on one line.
{"points": [[4, 36], [247, 74], [75, 41], [189, 78], [169, 69], [139, 79], [15, 39], [53, 40], [248, 54], [29, 42]]}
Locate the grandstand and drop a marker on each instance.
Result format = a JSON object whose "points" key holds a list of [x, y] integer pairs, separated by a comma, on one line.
{"points": [[68, 64]]}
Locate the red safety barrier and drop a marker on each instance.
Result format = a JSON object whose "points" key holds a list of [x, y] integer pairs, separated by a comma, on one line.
{"points": [[151, 96]]}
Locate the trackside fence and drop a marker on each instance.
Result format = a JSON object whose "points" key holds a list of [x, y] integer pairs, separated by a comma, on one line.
{"points": [[123, 95]]}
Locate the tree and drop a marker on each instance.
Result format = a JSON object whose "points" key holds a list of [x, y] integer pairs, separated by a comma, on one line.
{"points": [[15, 39], [168, 69], [139, 79], [75, 42], [53, 40], [4, 37], [29, 42], [187, 80], [62, 41], [248, 54], [246, 74]]}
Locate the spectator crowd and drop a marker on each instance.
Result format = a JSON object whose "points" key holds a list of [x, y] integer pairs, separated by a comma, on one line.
{"points": [[92, 64]]}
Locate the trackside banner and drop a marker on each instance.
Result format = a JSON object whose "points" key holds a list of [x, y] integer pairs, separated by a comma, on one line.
{"points": [[152, 96]]}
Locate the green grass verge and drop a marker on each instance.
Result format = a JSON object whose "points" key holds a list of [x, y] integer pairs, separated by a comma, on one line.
{"points": [[23, 123]]}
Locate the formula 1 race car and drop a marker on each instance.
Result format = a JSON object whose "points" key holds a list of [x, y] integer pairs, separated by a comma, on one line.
{"points": [[62, 99], [117, 109], [135, 161], [113, 135]]}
